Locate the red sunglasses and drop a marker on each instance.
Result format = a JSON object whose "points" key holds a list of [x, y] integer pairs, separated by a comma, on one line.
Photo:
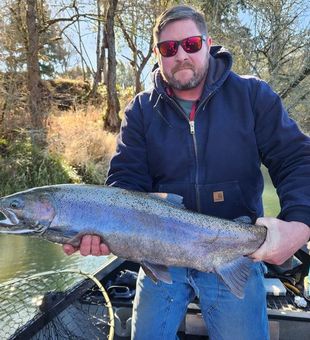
{"points": [[169, 48]]}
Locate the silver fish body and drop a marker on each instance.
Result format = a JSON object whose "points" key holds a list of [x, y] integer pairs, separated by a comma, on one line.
{"points": [[152, 229]]}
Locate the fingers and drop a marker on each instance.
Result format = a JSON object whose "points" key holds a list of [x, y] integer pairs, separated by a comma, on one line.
{"points": [[283, 239], [89, 245], [85, 245], [104, 249], [259, 254], [262, 221], [69, 249], [262, 252]]}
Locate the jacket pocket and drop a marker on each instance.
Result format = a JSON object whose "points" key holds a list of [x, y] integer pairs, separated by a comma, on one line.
{"points": [[224, 200], [186, 190]]}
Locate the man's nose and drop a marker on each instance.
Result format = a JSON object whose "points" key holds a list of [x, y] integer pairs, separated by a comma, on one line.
{"points": [[181, 54]]}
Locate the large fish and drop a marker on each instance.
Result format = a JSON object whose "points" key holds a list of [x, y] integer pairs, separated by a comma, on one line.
{"points": [[152, 229]]}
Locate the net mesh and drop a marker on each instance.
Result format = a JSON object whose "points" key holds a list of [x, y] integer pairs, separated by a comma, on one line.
{"points": [[23, 301]]}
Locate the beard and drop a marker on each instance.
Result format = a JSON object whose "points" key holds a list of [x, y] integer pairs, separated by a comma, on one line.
{"points": [[197, 77]]}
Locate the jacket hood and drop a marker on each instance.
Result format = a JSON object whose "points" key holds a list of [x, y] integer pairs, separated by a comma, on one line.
{"points": [[219, 68]]}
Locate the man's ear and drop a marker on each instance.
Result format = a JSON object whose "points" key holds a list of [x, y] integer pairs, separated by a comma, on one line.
{"points": [[209, 42]]}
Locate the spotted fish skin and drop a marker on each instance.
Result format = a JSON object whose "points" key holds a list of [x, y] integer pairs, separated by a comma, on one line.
{"points": [[151, 229]]}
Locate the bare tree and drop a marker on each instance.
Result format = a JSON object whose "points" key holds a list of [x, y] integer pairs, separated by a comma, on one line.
{"points": [[34, 78], [112, 120], [100, 75], [136, 20], [278, 48]]}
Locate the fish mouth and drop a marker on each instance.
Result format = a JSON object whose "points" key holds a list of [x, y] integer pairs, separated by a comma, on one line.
{"points": [[8, 218], [9, 223]]}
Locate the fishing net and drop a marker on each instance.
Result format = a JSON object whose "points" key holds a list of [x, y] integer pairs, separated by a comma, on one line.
{"points": [[65, 304]]}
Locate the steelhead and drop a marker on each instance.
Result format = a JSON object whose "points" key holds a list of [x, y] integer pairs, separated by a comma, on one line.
{"points": [[152, 229]]}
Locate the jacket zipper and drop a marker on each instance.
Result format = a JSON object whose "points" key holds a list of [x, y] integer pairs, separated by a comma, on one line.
{"points": [[193, 133]]}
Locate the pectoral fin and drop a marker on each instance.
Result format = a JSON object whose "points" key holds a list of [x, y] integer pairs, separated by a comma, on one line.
{"points": [[235, 274], [156, 272]]}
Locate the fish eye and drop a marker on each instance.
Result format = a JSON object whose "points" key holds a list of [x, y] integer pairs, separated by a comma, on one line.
{"points": [[16, 204]]}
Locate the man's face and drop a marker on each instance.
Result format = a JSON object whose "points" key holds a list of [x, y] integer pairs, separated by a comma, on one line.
{"points": [[183, 70]]}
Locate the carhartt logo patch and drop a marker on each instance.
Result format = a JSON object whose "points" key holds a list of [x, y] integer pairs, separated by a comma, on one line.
{"points": [[218, 196]]}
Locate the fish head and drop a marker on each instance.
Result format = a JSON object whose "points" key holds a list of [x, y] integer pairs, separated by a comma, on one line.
{"points": [[28, 212]]}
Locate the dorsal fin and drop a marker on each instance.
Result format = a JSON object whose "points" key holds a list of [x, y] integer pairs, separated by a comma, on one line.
{"points": [[243, 219], [172, 199]]}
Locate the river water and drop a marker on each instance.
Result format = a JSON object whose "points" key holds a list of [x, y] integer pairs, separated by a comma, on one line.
{"points": [[22, 256], [29, 269]]}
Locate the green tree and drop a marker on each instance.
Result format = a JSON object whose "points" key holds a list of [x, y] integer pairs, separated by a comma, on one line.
{"points": [[14, 40]]}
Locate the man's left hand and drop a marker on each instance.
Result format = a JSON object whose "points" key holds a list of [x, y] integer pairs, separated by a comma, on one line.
{"points": [[282, 241]]}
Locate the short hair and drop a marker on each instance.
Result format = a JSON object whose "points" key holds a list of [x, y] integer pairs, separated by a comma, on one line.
{"points": [[180, 12]]}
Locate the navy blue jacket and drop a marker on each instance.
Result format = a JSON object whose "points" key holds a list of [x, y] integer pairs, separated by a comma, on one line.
{"points": [[239, 123]]}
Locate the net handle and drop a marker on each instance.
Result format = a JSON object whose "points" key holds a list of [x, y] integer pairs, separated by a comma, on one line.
{"points": [[105, 296]]}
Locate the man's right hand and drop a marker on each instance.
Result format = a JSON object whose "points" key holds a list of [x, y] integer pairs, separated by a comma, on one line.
{"points": [[90, 245]]}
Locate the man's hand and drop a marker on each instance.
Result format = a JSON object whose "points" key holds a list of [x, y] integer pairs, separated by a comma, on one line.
{"points": [[282, 241], [90, 245]]}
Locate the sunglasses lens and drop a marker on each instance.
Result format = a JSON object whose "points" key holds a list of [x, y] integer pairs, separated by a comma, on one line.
{"points": [[192, 44], [168, 48]]}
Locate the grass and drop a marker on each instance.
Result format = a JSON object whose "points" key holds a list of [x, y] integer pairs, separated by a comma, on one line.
{"points": [[22, 166], [79, 138], [270, 198]]}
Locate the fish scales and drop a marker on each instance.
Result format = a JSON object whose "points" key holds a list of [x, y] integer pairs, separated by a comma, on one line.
{"points": [[152, 229]]}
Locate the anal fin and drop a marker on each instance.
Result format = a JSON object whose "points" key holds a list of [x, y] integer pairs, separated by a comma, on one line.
{"points": [[235, 274], [156, 272]]}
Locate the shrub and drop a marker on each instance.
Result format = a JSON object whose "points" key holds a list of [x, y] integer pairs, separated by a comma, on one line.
{"points": [[79, 138], [23, 166]]}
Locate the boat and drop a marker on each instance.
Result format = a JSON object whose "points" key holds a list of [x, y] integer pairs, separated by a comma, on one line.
{"points": [[81, 312]]}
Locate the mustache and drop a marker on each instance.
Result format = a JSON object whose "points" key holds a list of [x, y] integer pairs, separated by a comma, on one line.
{"points": [[183, 66]]}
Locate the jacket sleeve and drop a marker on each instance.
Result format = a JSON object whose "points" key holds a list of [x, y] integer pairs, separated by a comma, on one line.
{"points": [[129, 166], [285, 151]]}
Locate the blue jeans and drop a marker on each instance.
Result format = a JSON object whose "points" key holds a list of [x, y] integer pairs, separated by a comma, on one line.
{"points": [[159, 308]]}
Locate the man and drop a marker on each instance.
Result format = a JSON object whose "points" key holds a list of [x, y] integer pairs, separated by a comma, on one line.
{"points": [[202, 132]]}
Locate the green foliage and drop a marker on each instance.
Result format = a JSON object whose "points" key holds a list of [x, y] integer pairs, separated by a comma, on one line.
{"points": [[22, 166], [93, 172], [14, 40], [270, 198]]}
